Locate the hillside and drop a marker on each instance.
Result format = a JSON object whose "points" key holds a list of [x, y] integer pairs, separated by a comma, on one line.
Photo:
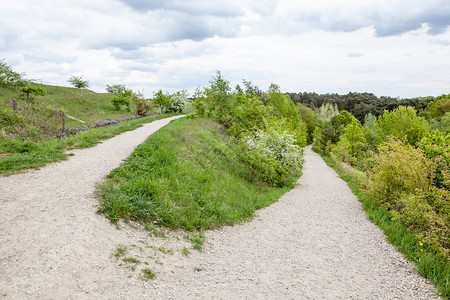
{"points": [[81, 104]]}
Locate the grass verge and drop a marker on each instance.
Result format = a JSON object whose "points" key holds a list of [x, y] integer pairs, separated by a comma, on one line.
{"points": [[427, 262], [187, 175], [17, 155]]}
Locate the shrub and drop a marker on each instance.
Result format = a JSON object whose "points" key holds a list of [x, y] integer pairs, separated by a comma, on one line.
{"points": [[398, 169], [272, 156]]}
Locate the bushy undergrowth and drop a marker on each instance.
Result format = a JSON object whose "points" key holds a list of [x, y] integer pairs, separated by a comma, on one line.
{"points": [[189, 175]]}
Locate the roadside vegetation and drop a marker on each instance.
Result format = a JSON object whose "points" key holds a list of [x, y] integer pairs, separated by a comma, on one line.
{"points": [[239, 152], [399, 166], [32, 115]]}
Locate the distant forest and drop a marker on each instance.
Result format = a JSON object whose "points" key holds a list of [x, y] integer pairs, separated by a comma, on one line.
{"points": [[359, 104]]}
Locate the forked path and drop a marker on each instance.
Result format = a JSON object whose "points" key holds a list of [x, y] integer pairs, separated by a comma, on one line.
{"points": [[314, 243]]}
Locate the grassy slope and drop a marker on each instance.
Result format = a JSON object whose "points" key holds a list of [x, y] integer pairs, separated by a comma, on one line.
{"points": [[428, 264], [82, 104], [186, 175], [24, 155]]}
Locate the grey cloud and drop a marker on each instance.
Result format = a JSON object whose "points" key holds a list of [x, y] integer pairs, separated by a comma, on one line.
{"points": [[144, 5], [195, 8]]}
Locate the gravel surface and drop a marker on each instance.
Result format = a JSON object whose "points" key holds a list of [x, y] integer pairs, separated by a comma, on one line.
{"points": [[314, 243]]}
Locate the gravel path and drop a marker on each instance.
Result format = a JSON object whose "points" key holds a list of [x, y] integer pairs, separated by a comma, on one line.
{"points": [[314, 243]]}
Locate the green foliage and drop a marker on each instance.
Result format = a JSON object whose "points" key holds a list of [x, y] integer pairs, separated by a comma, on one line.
{"points": [[29, 92], [401, 123], [219, 98], [249, 115], [436, 147], [327, 111], [178, 102], [161, 99], [352, 143], [370, 121], [272, 157], [439, 107], [78, 82], [116, 88], [121, 96], [188, 175], [399, 169], [359, 104], [9, 78], [444, 124], [148, 274], [309, 118], [404, 181], [142, 105], [343, 119], [284, 109]]}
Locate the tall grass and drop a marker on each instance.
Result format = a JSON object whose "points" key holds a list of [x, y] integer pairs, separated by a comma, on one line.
{"points": [[428, 263], [187, 175]]}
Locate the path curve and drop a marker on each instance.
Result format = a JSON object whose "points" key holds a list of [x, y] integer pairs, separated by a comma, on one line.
{"points": [[314, 243]]}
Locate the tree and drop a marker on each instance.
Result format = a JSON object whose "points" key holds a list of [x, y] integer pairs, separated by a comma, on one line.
{"points": [[439, 106], [121, 97], [308, 117], [161, 99], [115, 88], [401, 123], [78, 82], [9, 78], [29, 92], [218, 94]]}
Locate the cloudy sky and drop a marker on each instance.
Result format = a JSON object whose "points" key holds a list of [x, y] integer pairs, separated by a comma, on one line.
{"points": [[398, 48]]}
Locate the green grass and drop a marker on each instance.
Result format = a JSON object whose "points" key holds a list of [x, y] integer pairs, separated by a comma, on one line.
{"points": [[16, 154], [148, 274], [120, 251], [426, 260], [187, 175], [82, 104]]}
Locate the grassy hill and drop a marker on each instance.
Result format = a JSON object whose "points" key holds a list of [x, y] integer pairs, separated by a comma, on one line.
{"points": [[27, 135], [81, 104]]}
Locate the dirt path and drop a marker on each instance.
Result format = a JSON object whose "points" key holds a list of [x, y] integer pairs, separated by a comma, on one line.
{"points": [[315, 243]]}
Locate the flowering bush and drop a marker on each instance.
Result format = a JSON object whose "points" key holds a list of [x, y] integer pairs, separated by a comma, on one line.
{"points": [[272, 156]]}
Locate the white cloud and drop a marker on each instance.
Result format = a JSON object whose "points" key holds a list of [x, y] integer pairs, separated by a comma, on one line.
{"points": [[321, 45]]}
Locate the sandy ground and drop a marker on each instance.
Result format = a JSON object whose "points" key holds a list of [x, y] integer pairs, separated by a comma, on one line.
{"points": [[314, 243]]}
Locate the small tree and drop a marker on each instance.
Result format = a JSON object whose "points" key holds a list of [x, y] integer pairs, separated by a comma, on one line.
{"points": [[163, 100], [29, 92], [121, 96], [115, 88], [78, 82]]}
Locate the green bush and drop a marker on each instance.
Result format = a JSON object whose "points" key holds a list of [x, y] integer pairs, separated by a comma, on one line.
{"points": [[398, 169], [272, 156]]}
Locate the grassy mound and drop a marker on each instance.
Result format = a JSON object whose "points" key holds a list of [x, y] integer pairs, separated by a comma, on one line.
{"points": [[187, 175]]}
